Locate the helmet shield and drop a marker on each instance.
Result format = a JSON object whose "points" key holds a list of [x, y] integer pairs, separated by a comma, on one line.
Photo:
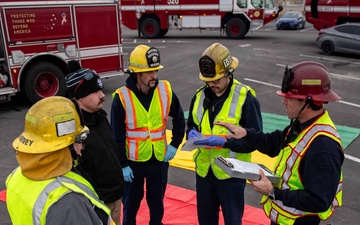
{"points": [[308, 80], [288, 77], [144, 59], [215, 62], [207, 66], [153, 57]]}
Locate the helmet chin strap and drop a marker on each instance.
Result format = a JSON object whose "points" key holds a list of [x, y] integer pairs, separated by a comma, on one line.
{"points": [[307, 102], [293, 124]]}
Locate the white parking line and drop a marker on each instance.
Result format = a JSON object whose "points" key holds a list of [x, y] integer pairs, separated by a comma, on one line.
{"points": [[352, 158], [270, 29], [338, 76], [261, 82], [153, 41], [277, 86], [244, 45], [330, 59], [304, 30]]}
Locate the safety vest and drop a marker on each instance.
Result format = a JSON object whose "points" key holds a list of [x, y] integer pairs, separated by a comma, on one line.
{"points": [[146, 130], [230, 113], [30, 205], [287, 166]]}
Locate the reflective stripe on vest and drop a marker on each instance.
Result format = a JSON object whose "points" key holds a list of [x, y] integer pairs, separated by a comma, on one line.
{"points": [[301, 145], [290, 158], [233, 105], [231, 113], [46, 193], [144, 132]]}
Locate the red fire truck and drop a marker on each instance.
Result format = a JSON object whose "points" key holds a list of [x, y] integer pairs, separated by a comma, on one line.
{"points": [[38, 38], [153, 19], [328, 13]]}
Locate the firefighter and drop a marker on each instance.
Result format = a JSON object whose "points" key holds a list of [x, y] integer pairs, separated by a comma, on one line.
{"points": [[100, 162], [44, 189], [309, 150], [222, 98], [139, 113]]}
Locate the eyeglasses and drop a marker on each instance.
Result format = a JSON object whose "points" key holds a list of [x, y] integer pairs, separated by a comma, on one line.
{"points": [[214, 81], [88, 76]]}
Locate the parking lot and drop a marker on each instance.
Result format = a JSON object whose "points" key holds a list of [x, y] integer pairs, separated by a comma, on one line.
{"points": [[262, 56]]}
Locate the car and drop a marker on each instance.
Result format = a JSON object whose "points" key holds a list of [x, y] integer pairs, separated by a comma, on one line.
{"points": [[344, 38], [291, 20]]}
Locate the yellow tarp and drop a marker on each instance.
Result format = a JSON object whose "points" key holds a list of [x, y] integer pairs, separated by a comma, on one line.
{"points": [[183, 159]]}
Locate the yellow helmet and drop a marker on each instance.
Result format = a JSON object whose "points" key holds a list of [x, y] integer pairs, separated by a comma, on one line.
{"points": [[144, 59], [51, 124], [216, 62]]}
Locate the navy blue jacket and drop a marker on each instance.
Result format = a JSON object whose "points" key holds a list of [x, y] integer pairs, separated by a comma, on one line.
{"points": [[118, 118], [250, 116], [319, 169]]}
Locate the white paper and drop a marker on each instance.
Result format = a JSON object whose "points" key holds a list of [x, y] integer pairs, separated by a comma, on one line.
{"points": [[246, 167], [189, 144]]}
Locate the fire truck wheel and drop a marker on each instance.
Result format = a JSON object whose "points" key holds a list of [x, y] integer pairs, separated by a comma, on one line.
{"points": [[150, 28], [327, 48], [43, 80], [235, 28]]}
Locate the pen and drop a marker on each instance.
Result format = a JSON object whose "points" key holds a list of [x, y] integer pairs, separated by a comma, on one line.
{"points": [[230, 130]]}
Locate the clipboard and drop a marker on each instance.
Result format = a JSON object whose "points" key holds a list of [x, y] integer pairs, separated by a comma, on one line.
{"points": [[246, 170]]}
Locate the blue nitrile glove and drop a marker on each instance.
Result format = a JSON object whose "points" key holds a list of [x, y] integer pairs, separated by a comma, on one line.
{"points": [[170, 153], [128, 174], [211, 141], [193, 133]]}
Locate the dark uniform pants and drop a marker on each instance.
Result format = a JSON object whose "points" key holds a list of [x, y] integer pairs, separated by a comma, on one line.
{"points": [[155, 173], [211, 193]]}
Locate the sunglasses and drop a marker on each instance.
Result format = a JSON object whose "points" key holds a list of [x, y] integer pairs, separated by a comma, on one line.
{"points": [[88, 76]]}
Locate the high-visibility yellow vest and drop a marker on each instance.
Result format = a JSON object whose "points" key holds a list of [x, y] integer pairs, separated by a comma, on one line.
{"points": [[30, 205], [287, 166], [230, 113], [146, 130]]}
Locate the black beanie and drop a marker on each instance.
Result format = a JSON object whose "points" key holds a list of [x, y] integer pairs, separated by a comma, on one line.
{"points": [[82, 83], [73, 66]]}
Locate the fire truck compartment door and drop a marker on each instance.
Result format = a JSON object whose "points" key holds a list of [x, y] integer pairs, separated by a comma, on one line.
{"points": [[201, 21], [31, 24], [226, 5]]}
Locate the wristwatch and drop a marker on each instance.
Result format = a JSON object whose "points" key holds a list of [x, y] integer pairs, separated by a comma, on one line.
{"points": [[271, 194]]}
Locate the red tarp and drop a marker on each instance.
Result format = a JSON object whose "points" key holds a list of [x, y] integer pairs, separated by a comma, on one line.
{"points": [[3, 195], [180, 209]]}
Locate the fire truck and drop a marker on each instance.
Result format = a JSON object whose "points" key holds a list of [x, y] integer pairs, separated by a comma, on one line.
{"points": [[328, 13], [153, 19], [38, 38]]}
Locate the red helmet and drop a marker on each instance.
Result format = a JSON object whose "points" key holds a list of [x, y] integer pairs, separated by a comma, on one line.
{"points": [[307, 80]]}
